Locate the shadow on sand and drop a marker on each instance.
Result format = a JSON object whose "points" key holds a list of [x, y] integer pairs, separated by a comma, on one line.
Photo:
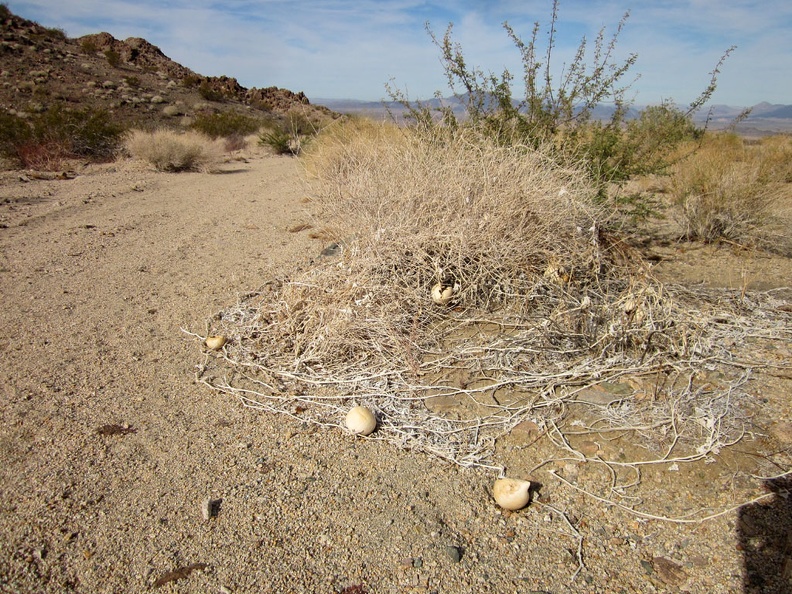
{"points": [[764, 533]]}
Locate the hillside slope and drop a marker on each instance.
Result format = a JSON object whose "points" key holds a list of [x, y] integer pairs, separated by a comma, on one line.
{"points": [[132, 79]]}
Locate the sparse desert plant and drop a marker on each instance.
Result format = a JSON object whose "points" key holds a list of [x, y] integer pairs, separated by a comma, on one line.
{"points": [[492, 218], [88, 46], [113, 58], [235, 142], [209, 93], [168, 150], [775, 156], [557, 109], [460, 268], [331, 151], [226, 124], [190, 81], [723, 190], [55, 33], [288, 136], [45, 139], [547, 107]]}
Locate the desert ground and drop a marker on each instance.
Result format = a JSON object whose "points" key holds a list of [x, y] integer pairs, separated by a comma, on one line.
{"points": [[110, 447]]}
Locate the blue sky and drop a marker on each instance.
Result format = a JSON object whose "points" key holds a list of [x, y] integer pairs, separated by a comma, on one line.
{"points": [[351, 48]]}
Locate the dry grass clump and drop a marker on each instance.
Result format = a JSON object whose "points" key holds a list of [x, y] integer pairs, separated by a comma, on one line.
{"points": [[168, 150], [727, 189]]}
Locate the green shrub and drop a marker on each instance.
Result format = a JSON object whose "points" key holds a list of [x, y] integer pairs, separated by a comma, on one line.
{"points": [[88, 46], [87, 132], [280, 141], [206, 91], [289, 135], [226, 124], [14, 133], [43, 140], [190, 81], [645, 145], [113, 58]]}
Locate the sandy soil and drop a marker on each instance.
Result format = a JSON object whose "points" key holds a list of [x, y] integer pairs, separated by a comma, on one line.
{"points": [[109, 447]]}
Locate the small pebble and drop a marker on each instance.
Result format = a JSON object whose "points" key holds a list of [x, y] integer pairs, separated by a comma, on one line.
{"points": [[454, 553], [208, 508]]}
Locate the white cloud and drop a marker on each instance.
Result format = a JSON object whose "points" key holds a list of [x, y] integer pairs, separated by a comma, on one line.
{"points": [[337, 48]]}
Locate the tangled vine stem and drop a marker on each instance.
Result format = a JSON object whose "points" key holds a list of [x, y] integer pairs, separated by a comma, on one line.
{"points": [[513, 376]]}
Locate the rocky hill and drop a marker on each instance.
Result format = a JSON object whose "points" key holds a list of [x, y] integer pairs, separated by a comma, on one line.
{"points": [[132, 79]]}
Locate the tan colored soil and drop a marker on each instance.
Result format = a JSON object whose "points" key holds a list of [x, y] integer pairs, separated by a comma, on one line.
{"points": [[109, 447]]}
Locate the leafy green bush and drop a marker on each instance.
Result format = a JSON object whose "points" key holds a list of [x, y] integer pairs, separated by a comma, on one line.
{"points": [[645, 145], [45, 139], [226, 124], [280, 141]]}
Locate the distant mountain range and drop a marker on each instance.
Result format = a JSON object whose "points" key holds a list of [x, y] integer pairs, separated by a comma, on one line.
{"points": [[764, 117]]}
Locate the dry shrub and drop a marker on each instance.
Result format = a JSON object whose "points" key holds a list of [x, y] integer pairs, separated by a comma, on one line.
{"points": [[547, 304], [235, 142], [774, 154], [544, 296], [458, 210], [728, 190], [168, 150], [42, 156]]}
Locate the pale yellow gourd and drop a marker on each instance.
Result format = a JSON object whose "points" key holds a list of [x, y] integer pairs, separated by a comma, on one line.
{"points": [[512, 494]]}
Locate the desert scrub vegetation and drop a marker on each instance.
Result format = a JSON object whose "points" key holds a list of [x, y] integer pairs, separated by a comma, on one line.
{"points": [[206, 91], [44, 140], [113, 58], [168, 150], [290, 134], [542, 300], [727, 188], [232, 127], [455, 208], [558, 111], [503, 218]]}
